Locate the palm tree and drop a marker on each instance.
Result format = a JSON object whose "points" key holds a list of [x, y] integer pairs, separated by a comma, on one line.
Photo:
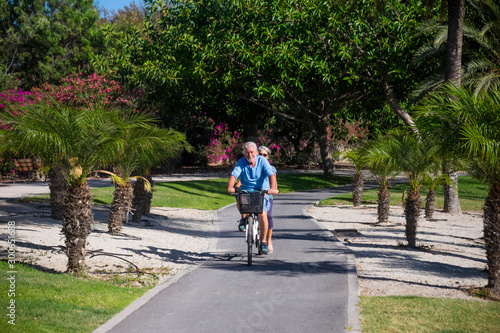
{"points": [[470, 125], [483, 67], [143, 145], [452, 34], [78, 141], [141, 198], [414, 157], [432, 180], [407, 153], [380, 164], [357, 156], [58, 187]]}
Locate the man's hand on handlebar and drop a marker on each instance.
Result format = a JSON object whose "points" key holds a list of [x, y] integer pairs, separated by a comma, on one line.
{"points": [[273, 192]]}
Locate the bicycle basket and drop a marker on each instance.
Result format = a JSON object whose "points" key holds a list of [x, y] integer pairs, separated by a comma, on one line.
{"points": [[251, 203]]}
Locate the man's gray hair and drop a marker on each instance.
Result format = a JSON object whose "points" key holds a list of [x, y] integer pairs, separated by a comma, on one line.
{"points": [[261, 148], [247, 145]]}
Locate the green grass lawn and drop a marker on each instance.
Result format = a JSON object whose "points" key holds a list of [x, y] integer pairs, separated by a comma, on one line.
{"points": [[55, 302], [471, 194], [411, 314], [47, 302]]}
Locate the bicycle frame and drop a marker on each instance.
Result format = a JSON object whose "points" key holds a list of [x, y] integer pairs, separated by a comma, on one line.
{"points": [[252, 234], [255, 234]]}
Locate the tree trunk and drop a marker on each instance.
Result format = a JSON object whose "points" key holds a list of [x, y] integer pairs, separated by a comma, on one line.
{"points": [[326, 159], [450, 194], [58, 187], [454, 42], [357, 191], [137, 200], [453, 70], [429, 204], [396, 107], [148, 196], [141, 202], [384, 204], [412, 213], [122, 200], [77, 224], [491, 225]]}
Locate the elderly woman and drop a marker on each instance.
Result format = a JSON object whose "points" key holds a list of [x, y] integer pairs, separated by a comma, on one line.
{"points": [[265, 152]]}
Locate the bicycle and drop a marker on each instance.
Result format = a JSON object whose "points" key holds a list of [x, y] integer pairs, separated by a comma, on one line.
{"points": [[251, 203]]}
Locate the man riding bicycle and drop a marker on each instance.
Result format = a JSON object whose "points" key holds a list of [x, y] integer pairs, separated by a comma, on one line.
{"points": [[255, 173]]}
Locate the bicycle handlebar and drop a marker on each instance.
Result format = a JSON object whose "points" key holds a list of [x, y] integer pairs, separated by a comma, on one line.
{"points": [[237, 190]]}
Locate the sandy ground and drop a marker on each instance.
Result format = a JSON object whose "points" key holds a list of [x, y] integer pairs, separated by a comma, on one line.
{"points": [[451, 255], [164, 243]]}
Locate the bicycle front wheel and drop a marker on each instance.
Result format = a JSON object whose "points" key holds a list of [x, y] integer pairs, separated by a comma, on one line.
{"points": [[250, 237]]}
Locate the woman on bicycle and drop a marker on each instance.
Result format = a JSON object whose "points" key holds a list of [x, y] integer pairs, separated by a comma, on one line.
{"points": [[255, 173], [265, 152]]}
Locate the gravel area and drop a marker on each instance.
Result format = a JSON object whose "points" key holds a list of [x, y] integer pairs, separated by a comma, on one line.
{"points": [[162, 244], [450, 255]]}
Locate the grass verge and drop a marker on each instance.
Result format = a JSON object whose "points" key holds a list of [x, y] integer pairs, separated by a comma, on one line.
{"points": [[48, 302], [405, 314]]}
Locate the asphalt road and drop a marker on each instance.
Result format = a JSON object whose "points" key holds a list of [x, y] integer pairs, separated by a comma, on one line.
{"points": [[308, 284]]}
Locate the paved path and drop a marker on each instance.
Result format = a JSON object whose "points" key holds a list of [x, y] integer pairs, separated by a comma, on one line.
{"points": [[308, 284]]}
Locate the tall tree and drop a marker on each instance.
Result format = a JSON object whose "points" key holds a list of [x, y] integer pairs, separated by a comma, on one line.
{"points": [[303, 61], [453, 70], [42, 41]]}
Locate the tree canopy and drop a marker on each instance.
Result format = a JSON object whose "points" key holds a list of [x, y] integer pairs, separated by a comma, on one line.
{"points": [[42, 41], [303, 61]]}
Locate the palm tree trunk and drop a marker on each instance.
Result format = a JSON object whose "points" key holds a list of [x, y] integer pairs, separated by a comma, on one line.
{"points": [[453, 70], [77, 224], [491, 225], [58, 187], [141, 202], [138, 200], [122, 200], [456, 13], [412, 213], [429, 204], [384, 204], [148, 196], [450, 194], [357, 191]]}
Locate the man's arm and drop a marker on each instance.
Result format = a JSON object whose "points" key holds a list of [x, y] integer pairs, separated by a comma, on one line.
{"points": [[230, 184]]}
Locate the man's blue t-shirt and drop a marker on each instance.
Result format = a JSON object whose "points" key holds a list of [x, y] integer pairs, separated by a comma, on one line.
{"points": [[256, 178]]}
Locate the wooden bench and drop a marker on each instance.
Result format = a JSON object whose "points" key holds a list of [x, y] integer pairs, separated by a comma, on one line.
{"points": [[24, 165], [344, 165]]}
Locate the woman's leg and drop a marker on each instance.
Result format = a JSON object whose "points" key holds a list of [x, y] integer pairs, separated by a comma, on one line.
{"points": [[270, 227]]}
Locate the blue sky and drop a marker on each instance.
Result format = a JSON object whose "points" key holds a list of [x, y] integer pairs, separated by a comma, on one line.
{"points": [[116, 4]]}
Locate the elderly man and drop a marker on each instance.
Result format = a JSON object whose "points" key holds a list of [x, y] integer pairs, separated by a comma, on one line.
{"points": [[255, 173]]}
